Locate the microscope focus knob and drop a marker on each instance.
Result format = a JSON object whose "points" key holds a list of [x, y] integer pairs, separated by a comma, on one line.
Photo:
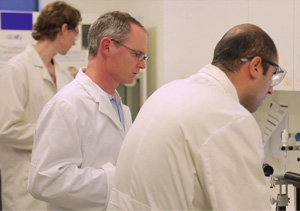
{"points": [[268, 170], [272, 200]]}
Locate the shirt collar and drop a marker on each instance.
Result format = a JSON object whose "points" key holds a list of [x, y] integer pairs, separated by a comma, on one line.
{"points": [[117, 99]]}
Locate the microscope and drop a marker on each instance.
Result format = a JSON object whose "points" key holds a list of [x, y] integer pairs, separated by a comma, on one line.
{"points": [[283, 181], [280, 148]]}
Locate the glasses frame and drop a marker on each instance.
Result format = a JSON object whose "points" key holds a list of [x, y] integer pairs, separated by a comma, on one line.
{"points": [[278, 75], [75, 30], [139, 55]]}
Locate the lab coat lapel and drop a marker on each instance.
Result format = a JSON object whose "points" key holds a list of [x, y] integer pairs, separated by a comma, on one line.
{"points": [[46, 75], [38, 63], [99, 96], [127, 117], [106, 108], [61, 76]]}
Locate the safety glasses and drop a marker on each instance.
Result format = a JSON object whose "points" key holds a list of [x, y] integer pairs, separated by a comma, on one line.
{"points": [[75, 30], [278, 75]]}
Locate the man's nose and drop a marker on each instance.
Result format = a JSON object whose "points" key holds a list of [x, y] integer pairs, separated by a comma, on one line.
{"points": [[271, 90], [142, 64]]}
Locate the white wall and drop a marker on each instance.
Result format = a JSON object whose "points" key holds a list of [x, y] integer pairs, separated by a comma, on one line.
{"points": [[191, 30]]}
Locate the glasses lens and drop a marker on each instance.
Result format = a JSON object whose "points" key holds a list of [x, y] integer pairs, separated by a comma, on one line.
{"points": [[76, 37], [278, 76], [143, 57]]}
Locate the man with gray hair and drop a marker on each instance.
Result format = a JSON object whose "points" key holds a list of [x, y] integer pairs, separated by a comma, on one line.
{"points": [[80, 130]]}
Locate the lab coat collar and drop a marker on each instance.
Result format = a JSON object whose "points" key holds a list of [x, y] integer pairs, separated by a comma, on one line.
{"points": [[38, 62], [221, 78], [100, 97]]}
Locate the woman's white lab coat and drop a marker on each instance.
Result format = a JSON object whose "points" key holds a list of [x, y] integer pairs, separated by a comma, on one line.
{"points": [[25, 87], [77, 143]]}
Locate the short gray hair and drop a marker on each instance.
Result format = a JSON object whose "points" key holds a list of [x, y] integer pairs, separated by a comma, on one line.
{"points": [[115, 25]]}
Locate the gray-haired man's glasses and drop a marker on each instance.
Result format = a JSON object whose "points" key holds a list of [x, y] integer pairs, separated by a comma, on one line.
{"points": [[141, 56], [278, 75]]}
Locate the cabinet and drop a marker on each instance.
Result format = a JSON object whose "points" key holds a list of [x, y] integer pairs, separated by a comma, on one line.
{"points": [[192, 29], [276, 17], [296, 56]]}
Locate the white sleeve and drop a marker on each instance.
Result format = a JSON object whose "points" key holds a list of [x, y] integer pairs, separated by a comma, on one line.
{"points": [[56, 175], [230, 166], [15, 129]]}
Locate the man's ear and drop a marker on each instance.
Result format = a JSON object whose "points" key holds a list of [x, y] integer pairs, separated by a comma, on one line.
{"points": [[105, 46], [255, 66]]}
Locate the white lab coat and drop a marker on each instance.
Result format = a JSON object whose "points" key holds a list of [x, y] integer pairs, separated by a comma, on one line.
{"points": [[76, 146], [192, 147], [25, 87]]}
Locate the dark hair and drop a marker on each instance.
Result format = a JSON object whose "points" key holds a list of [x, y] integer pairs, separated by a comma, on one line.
{"points": [[52, 17], [115, 25], [244, 41]]}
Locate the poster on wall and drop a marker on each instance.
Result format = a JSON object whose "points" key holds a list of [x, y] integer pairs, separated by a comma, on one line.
{"points": [[10, 48]]}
